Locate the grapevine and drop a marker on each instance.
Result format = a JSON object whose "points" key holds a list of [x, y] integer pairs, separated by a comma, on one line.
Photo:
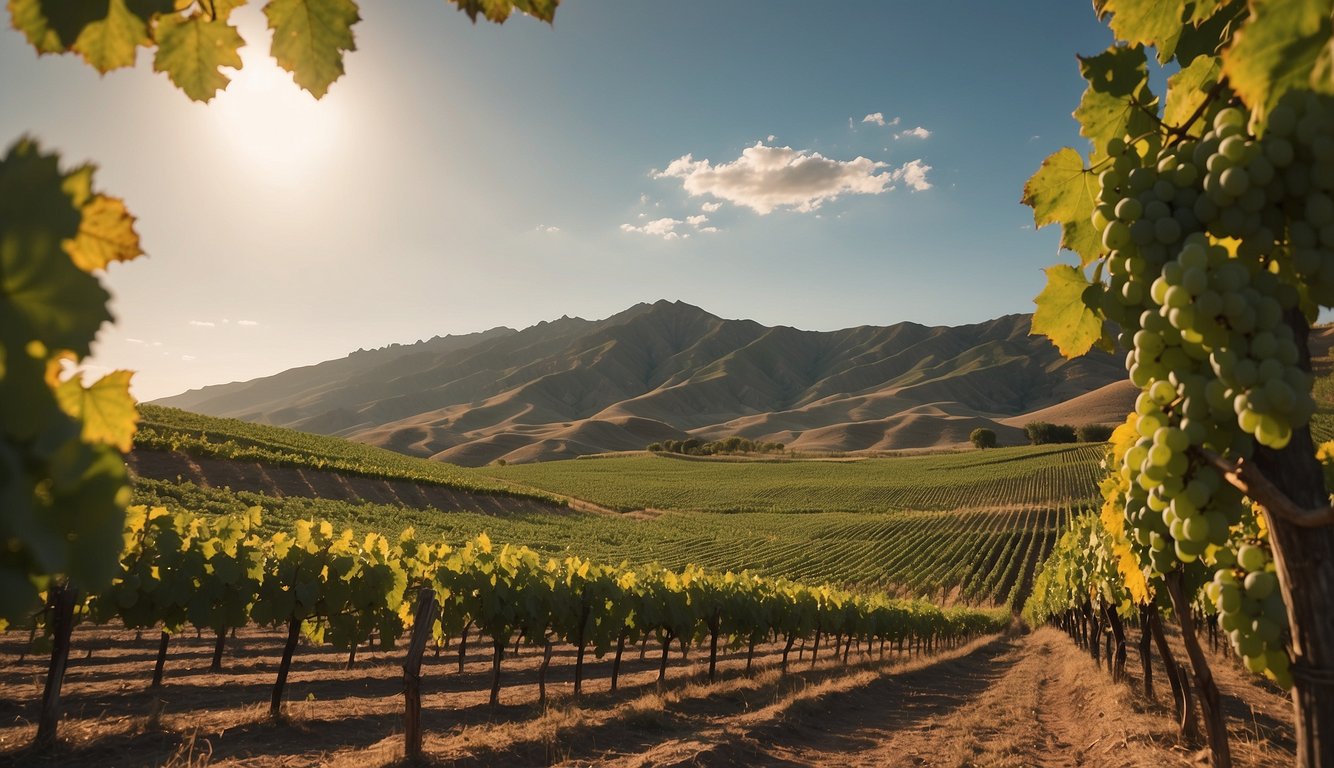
{"points": [[1207, 221]]}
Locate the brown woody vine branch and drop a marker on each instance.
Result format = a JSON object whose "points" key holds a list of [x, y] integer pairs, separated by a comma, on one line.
{"points": [[1247, 478]]}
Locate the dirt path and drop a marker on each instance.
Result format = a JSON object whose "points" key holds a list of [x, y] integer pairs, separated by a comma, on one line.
{"points": [[1028, 700]]}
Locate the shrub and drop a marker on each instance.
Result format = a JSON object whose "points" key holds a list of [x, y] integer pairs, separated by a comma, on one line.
{"points": [[983, 438], [1094, 433], [1041, 432]]}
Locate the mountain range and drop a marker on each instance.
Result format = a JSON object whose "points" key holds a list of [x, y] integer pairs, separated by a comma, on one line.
{"points": [[669, 370]]}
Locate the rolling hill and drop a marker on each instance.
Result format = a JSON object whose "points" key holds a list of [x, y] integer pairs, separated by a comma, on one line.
{"points": [[670, 370]]}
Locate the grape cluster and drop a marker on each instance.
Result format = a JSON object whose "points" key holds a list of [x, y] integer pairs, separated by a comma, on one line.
{"points": [[1250, 609], [1212, 243]]}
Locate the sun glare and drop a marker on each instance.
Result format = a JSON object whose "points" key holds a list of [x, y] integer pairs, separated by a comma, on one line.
{"points": [[271, 123]]}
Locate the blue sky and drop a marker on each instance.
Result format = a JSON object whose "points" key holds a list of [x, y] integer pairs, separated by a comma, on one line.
{"points": [[460, 177]]}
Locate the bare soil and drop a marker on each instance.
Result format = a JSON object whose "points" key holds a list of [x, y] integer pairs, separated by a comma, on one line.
{"points": [[1022, 700]]}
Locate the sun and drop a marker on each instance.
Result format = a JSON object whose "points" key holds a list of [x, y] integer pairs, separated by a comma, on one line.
{"points": [[272, 124]]}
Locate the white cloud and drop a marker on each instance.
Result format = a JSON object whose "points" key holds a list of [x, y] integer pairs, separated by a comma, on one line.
{"points": [[203, 323], [643, 199], [708, 229], [696, 221], [913, 173], [711, 207], [248, 323], [913, 133], [770, 139], [664, 228], [188, 358], [878, 118], [765, 178], [136, 341], [547, 228]]}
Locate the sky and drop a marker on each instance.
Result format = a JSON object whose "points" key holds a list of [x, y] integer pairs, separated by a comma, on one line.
{"points": [[806, 164]]}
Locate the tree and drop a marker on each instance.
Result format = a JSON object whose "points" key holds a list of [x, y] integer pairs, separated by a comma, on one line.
{"points": [[983, 438], [1199, 221]]}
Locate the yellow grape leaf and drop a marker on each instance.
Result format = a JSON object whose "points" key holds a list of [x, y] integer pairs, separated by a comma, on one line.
{"points": [[484, 542], [1187, 91], [1063, 192], [1117, 97], [78, 184], [310, 37], [111, 43], [192, 49], [216, 9], [51, 27], [106, 408], [1146, 22], [500, 10], [106, 234], [1276, 50], [1062, 315]]}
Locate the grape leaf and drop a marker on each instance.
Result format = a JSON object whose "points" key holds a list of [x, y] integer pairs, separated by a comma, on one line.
{"points": [[1187, 91], [1061, 313], [106, 234], [1203, 10], [310, 37], [1063, 192], [106, 408], [500, 10], [1276, 50], [221, 9], [111, 43], [1146, 22], [43, 295], [192, 49], [1117, 101], [52, 26]]}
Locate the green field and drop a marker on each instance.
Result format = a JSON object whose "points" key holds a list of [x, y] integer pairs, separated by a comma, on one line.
{"points": [[1047, 475]]}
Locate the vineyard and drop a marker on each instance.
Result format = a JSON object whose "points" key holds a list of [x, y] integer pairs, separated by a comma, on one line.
{"points": [[1047, 475], [171, 429], [980, 557], [216, 575]]}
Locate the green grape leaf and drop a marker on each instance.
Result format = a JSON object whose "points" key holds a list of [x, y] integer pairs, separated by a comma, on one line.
{"points": [[192, 49], [106, 409], [1063, 192], [1117, 101], [106, 234], [43, 295], [1146, 22], [310, 37], [1203, 10], [500, 10], [1276, 50], [1206, 34], [52, 26], [111, 43], [1061, 313], [93, 516], [1188, 90]]}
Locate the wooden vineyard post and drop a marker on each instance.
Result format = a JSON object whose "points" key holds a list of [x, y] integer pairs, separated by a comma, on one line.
{"points": [[63, 600], [427, 607]]}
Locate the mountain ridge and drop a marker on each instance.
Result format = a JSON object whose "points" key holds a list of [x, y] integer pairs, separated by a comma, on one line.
{"points": [[671, 370]]}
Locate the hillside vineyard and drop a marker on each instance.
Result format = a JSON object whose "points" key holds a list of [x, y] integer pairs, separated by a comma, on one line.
{"points": [[656, 372]]}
